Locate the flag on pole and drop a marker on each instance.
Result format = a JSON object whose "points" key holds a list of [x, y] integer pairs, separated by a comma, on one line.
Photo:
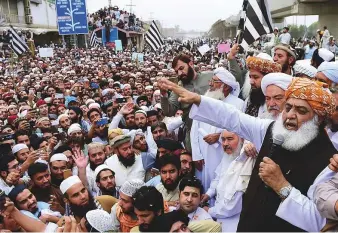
{"points": [[154, 37], [94, 40], [257, 20], [16, 43]]}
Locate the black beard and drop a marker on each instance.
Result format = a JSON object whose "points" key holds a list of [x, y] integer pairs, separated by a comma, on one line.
{"points": [[93, 166], [257, 97], [76, 120], [190, 76], [55, 181], [110, 192], [332, 126], [285, 67], [143, 128], [126, 162], [171, 187], [81, 211]]}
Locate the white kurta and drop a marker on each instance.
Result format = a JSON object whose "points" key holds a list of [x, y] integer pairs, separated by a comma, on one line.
{"points": [[122, 174], [199, 214], [333, 137], [298, 209], [211, 154]]}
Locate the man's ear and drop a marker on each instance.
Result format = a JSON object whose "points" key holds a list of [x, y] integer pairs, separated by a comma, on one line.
{"points": [[3, 174], [191, 64]]}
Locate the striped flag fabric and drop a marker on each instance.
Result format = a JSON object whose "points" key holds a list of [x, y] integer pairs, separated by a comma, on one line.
{"points": [[16, 43], [257, 20], [94, 40], [153, 37]]}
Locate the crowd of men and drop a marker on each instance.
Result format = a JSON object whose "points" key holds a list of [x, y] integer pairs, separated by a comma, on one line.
{"points": [[91, 141]]}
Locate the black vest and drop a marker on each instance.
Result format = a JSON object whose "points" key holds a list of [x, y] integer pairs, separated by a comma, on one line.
{"points": [[300, 169]]}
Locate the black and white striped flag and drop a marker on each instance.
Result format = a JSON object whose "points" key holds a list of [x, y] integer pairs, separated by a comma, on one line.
{"points": [[17, 44], [94, 40], [154, 37], [257, 20]]}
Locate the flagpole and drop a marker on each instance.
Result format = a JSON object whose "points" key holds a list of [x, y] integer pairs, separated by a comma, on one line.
{"points": [[241, 25]]}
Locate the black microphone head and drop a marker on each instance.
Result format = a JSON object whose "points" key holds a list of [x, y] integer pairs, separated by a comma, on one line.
{"points": [[278, 139]]}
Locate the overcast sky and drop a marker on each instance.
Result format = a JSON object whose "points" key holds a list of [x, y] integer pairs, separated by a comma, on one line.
{"points": [[188, 14]]}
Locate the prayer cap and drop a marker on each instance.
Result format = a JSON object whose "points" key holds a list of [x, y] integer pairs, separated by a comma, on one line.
{"points": [[148, 87], [119, 140], [130, 187], [68, 183], [106, 91], [100, 168], [59, 157], [302, 67], [287, 49], [226, 77], [263, 65], [40, 102], [94, 105], [141, 111], [89, 101], [330, 70], [325, 54], [42, 119], [133, 134], [19, 147], [278, 79], [100, 220], [74, 128], [315, 93]]}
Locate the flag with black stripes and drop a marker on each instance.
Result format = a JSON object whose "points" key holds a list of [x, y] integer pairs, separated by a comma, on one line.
{"points": [[16, 43], [258, 21], [94, 40], [154, 37]]}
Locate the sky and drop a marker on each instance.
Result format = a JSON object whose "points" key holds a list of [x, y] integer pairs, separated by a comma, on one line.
{"points": [[188, 14]]}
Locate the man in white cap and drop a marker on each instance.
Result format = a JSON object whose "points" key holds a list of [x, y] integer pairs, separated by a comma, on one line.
{"points": [[75, 131], [321, 55], [105, 181], [310, 49], [124, 163], [303, 69], [97, 221], [64, 122], [57, 164], [328, 73], [206, 148], [122, 213]]}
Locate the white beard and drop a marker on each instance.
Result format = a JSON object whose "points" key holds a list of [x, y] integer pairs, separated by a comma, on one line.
{"points": [[236, 152], [218, 94], [296, 140], [268, 115]]}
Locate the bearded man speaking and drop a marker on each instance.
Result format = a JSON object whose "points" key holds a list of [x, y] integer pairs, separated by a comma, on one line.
{"points": [[277, 191]]}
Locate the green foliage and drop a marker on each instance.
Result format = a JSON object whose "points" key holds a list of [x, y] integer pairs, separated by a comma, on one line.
{"points": [[299, 31]]}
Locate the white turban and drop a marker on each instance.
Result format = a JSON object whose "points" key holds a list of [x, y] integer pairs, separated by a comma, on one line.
{"points": [[94, 105], [89, 101], [100, 168], [325, 54], [304, 67], [74, 128], [19, 147], [330, 70], [130, 187], [133, 134], [226, 77], [278, 79]]}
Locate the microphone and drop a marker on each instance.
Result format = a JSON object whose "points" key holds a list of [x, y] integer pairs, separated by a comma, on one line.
{"points": [[277, 141]]}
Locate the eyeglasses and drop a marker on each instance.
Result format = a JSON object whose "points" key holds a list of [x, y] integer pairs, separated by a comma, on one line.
{"points": [[212, 81]]}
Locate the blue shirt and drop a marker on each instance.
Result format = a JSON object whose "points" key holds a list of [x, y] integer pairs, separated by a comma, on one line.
{"points": [[154, 181], [310, 53], [41, 206]]}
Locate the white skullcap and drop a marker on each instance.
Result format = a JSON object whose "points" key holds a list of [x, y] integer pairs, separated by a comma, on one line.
{"points": [[48, 100], [325, 54], [126, 85], [148, 87], [133, 133], [100, 220], [144, 109], [265, 56], [100, 168], [89, 101], [106, 91], [74, 128], [19, 147], [226, 77], [94, 105], [158, 105], [304, 68], [62, 116], [68, 183], [130, 187], [58, 157], [278, 79]]}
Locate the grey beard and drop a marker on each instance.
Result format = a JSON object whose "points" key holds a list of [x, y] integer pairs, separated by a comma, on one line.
{"points": [[217, 94]]}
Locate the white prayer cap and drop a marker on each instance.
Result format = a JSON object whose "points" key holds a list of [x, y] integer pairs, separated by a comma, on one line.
{"points": [[126, 85], [100, 168], [74, 128], [89, 101], [68, 183], [48, 100], [149, 88], [144, 109], [58, 157], [94, 105], [62, 116], [226, 77], [106, 91], [100, 220], [130, 187], [19, 147], [302, 67], [265, 56], [330, 70], [325, 54], [133, 133], [278, 79]]}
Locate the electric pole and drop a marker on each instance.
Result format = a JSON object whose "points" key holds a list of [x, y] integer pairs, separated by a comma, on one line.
{"points": [[131, 6], [109, 3]]}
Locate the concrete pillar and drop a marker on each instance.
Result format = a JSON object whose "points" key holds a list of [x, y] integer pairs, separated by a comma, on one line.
{"points": [[331, 22], [278, 22]]}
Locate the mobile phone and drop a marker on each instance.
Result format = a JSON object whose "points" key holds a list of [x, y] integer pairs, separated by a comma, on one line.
{"points": [[38, 95], [121, 100], [67, 173], [59, 96], [102, 121], [94, 85]]}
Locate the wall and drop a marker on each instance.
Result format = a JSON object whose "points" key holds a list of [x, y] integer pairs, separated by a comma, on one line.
{"points": [[280, 4], [44, 15]]}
